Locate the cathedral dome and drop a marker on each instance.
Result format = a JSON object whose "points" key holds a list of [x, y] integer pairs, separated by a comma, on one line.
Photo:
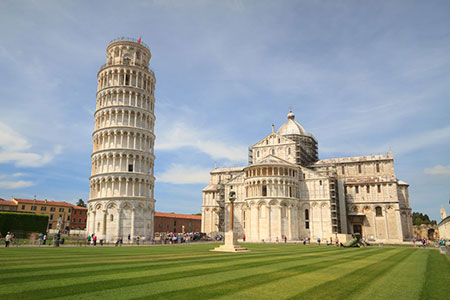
{"points": [[291, 126]]}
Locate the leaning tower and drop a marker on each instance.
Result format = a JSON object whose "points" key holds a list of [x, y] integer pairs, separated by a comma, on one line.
{"points": [[121, 200]]}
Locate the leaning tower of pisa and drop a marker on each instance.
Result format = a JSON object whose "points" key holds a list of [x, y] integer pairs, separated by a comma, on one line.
{"points": [[121, 200]]}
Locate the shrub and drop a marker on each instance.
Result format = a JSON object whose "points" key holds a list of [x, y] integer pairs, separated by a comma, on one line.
{"points": [[22, 222]]}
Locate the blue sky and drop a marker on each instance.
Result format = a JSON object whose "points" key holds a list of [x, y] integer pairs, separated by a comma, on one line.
{"points": [[362, 76]]}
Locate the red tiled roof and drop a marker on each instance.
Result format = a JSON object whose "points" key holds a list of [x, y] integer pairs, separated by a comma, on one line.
{"points": [[7, 202], [177, 216], [42, 202], [79, 207]]}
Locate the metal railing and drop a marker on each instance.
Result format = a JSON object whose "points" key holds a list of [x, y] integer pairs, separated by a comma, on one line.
{"points": [[128, 39]]}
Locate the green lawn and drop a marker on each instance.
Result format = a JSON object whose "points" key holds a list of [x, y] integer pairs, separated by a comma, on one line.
{"points": [[193, 272]]}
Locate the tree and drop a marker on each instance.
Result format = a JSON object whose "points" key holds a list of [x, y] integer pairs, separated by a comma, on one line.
{"points": [[81, 203], [419, 219]]}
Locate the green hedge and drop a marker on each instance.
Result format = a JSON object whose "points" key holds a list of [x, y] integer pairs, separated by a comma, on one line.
{"points": [[22, 222]]}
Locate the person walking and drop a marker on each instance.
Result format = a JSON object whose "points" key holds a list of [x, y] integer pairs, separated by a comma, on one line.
{"points": [[41, 237], [137, 240], [45, 239], [129, 238], [95, 240], [243, 237], [7, 239], [285, 239]]}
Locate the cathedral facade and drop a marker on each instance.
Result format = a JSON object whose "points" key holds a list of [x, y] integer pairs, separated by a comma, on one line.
{"points": [[286, 191]]}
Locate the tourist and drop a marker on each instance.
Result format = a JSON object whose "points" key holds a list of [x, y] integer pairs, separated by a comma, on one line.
{"points": [[94, 238], [243, 237], [137, 240], [318, 241], [89, 239], [337, 242], [45, 239], [285, 239], [129, 238], [7, 239], [41, 236]]}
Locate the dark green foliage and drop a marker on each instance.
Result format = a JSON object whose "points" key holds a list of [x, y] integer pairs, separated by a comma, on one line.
{"points": [[22, 222], [419, 219], [81, 203]]}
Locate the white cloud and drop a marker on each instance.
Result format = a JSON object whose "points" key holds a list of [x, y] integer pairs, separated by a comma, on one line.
{"points": [[11, 140], [14, 148], [181, 135], [438, 170], [10, 182], [400, 145], [184, 174], [15, 184]]}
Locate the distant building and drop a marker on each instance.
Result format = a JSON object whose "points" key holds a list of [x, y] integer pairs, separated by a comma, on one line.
{"points": [[7, 205], [286, 191], [179, 223], [78, 217], [72, 216], [426, 231], [444, 225]]}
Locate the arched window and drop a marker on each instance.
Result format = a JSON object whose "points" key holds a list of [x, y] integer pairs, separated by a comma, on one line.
{"points": [[111, 218], [306, 214], [378, 211], [273, 151]]}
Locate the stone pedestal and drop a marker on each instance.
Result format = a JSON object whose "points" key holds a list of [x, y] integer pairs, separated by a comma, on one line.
{"points": [[231, 244]]}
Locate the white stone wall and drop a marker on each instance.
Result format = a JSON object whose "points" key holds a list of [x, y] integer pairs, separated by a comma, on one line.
{"points": [[277, 145], [121, 201]]}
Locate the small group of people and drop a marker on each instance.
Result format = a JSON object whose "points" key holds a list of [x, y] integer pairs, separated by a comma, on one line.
{"points": [[42, 239], [179, 238], [92, 239]]}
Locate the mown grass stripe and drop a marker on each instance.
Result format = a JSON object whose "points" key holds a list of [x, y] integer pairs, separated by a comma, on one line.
{"points": [[138, 279], [235, 285], [396, 283], [100, 269], [437, 277], [68, 270], [346, 286]]}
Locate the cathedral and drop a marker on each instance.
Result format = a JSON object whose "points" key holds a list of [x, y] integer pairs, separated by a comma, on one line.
{"points": [[287, 192]]}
